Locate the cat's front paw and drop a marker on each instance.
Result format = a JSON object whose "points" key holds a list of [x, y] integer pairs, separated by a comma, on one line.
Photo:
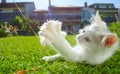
{"points": [[49, 30]]}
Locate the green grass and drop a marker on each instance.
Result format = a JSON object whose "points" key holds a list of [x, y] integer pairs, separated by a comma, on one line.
{"points": [[25, 53]]}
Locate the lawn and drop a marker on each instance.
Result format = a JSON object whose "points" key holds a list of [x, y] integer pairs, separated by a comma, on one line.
{"points": [[24, 53]]}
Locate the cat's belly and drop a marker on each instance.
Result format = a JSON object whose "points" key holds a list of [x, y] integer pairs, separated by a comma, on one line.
{"points": [[98, 58]]}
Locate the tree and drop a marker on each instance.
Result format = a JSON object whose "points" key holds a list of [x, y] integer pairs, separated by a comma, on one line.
{"points": [[17, 21], [115, 27]]}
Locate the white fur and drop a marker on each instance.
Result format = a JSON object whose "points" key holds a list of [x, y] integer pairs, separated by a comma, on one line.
{"points": [[90, 47]]}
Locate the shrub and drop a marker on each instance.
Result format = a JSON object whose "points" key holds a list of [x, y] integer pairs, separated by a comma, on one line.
{"points": [[3, 33], [17, 21], [115, 27]]}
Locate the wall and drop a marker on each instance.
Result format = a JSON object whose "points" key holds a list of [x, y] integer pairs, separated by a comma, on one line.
{"points": [[29, 9]]}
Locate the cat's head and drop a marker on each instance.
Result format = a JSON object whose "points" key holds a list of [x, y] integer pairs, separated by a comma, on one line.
{"points": [[96, 34]]}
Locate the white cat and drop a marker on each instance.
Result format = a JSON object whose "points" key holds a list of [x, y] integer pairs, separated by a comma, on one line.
{"points": [[95, 43]]}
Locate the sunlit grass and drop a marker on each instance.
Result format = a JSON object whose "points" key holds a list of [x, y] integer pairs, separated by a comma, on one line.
{"points": [[25, 53]]}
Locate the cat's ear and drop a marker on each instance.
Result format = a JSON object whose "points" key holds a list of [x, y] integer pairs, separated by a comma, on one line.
{"points": [[109, 40], [98, 21]]}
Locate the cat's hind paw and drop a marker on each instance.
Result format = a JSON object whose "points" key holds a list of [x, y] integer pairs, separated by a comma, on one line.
{"points": [[47, 58]]}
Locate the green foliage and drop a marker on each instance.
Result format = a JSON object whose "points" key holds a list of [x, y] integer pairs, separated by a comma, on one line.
{"points": [[115, 27], [28, 23], [25, 53], [3, 29], [17, 22], [1, 23], [3, 33], [84, 23], [25, 25]]}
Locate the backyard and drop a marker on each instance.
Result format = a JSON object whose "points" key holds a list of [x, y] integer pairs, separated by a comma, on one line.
{"points": [[20, 48], [24, 54]]}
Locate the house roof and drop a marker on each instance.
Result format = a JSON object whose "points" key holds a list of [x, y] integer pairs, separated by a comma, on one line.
{"points": [[101, 4], [106, 9], [40, 11], [77, 8], [65, 8], [58, 8], [11, 5]]}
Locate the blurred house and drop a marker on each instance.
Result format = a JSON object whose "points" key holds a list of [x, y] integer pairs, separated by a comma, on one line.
{"points": [[8, 11], [106, 10], [71, 16], [86, 12], [119, 12]]}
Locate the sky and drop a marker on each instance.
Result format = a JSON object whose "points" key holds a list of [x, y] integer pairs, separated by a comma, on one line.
{"points": [[43, 4]]}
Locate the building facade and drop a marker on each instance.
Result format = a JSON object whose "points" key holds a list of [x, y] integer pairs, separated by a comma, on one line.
{"points": [[8, 11], [119, 13], [106, 10], [70, 16], [86, 12], [73, 16]]}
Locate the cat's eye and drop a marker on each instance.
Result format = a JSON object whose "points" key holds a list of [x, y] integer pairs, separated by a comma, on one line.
{"points": [[83, 31]]}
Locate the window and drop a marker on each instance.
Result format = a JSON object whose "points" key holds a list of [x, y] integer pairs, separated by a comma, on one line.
{"points": [[83, 15], [111, 6], [97, 6], [55, 13], [103, 6], [69, 13], [15, 10], [0, 13]]}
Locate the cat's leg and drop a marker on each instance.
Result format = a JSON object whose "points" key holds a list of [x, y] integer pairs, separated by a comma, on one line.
{"points": [[51, 31], [51, 58]]}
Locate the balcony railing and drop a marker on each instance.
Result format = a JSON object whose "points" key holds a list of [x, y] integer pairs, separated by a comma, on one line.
{"points": [[8, 16], [56, 17]]}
